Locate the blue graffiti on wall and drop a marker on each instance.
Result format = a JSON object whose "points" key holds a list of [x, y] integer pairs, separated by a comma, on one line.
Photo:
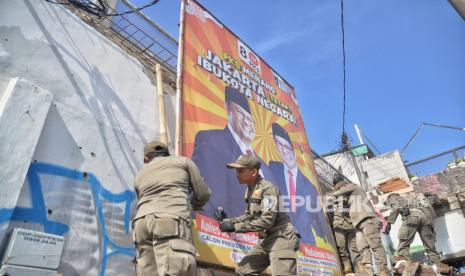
{"points": [[38, 212]]}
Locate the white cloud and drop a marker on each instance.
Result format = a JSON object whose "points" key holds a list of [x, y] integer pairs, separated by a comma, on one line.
{"points": [[278, 40], [3, 52]]}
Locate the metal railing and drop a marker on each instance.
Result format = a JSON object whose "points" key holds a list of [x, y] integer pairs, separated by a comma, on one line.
{"points": [[437, 162], [325, 171], [139, 35], [441, 174], [146, 35]]}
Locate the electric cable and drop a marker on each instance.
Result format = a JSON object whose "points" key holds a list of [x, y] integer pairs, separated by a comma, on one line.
{"points": [[371, 143], [343, 69], [100, 9]]}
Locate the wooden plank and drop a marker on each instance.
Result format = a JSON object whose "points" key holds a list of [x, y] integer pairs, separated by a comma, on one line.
{"points": [[411, 268]]}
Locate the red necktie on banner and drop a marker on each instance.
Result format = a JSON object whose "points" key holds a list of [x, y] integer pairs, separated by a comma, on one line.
{"points": [[291, 190]]}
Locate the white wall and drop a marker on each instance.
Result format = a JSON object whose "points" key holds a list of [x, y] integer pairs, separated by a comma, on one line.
{"points": [[450, 241], [375, 170], [83, 160], [385, 167]]}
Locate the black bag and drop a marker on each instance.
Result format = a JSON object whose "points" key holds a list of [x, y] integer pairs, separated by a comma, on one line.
{"points": [[405, 211]]}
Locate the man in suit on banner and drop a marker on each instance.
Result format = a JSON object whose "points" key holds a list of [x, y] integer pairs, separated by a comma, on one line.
{"points": [[304, 207], [214, 148]]}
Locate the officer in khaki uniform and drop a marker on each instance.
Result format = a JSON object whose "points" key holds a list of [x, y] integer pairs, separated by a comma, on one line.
{"points": [[416, 217], [344, 231], [264, 214], [363, 217], [167, 188]]}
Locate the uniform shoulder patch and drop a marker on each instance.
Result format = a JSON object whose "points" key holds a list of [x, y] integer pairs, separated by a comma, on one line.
{"points": [[266, 184], [257, 193]]}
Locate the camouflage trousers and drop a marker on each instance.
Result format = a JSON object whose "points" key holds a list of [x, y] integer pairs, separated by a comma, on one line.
{"points": [[278, 250], [346, 244], [368, 237], [424, 226], [163, 246]]}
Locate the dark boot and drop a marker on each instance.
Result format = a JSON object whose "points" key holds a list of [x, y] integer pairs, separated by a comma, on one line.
{"points": [[443, 268], [400, 258]]}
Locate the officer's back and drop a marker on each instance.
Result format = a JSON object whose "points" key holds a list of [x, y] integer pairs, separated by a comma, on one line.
{"points": [[360, 208], [162, 186], [167, 188], [408, 206]]}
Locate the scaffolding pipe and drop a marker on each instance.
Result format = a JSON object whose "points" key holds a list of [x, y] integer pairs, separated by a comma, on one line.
{"points": [[428, 124], [434, 156], [358, 134], [459, 6]]}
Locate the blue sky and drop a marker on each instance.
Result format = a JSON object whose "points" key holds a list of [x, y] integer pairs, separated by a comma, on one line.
{"points": [[405, 63]]}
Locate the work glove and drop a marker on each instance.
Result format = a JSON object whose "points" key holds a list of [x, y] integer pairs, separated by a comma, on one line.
{"points": [[220, 214], [226, 226], [388, 229]]}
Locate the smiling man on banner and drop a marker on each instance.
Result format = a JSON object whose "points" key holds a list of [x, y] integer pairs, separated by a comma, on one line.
{"points": [[214, 148], [297, 190]]}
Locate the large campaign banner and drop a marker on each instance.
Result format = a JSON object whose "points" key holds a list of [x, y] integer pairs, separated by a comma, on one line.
{"points": [[233, 103]]}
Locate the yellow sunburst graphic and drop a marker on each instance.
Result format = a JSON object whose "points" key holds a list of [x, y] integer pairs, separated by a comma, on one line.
{"points": [[322, 243], [263, 142]]}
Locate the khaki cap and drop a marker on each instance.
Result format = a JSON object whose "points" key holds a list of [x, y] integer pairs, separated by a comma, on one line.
{"points": [[245, 161], [339, 185], [338, 182], [155, 146]]}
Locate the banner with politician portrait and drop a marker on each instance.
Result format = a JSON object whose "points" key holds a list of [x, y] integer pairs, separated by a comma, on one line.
{"points": [[233, 103]]}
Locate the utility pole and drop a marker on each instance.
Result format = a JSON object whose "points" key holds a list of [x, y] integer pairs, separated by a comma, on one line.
{"points": [[347, 147]]}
